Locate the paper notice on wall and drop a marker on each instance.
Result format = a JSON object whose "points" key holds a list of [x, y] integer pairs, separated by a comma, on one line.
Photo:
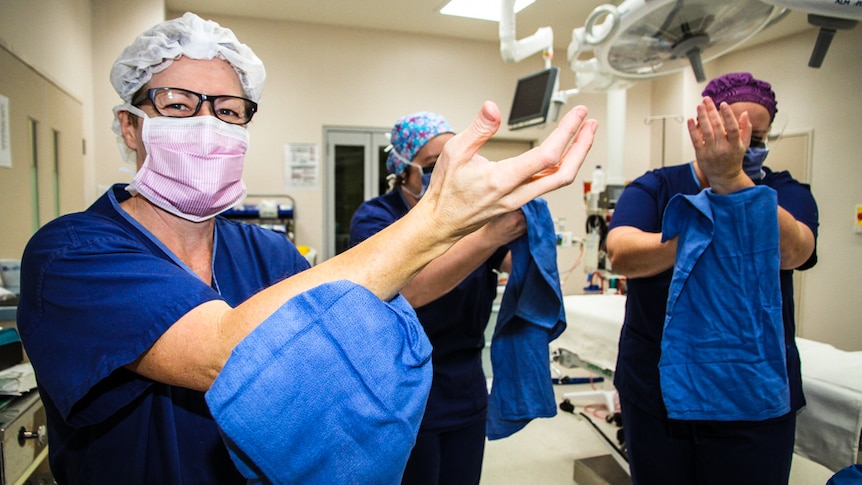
{"points": [[5, 137], [301, 166]]}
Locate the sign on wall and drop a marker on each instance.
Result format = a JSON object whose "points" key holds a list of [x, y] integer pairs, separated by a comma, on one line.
{"points": [[5, 139], [301, 162]]}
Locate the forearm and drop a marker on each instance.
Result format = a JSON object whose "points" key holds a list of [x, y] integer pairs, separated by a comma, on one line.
{"points": [[193, 350], [795, 239], [446, 272], [373, 264], [637, 254]]}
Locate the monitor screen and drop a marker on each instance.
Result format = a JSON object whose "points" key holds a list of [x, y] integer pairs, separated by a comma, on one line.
{"points": [[533, 99]]}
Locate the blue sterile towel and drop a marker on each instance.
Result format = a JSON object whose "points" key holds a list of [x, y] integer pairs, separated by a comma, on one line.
{"points": [[531, 315], [329, 389], [723, 355], [847, 476]]}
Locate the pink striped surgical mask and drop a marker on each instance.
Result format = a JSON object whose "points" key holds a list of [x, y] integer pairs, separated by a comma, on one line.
{"points": [[193, 167]]}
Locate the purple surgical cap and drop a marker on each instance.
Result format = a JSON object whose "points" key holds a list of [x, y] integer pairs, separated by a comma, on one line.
{"points": [[410, 134], [735, 87]]}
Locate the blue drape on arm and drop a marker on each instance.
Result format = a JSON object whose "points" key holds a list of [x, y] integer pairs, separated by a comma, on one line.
{"points": [[329, 389]]}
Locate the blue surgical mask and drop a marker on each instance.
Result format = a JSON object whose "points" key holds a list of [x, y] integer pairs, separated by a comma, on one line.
{"points": [[752, 162]]}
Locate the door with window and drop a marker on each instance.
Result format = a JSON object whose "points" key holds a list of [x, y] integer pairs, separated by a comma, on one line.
{"points": [[356, 168]]}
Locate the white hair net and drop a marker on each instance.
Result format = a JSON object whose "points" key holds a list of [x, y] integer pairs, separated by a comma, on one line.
{"points": [[190, 36]]}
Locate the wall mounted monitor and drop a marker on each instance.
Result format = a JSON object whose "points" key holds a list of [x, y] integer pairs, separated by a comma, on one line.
{"points": [[533, 99]]}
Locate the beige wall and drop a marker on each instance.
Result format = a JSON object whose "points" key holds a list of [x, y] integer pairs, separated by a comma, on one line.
{"points": [[53, 37], [325, 76]]}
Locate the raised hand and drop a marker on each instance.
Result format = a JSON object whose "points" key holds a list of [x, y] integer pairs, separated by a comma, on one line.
{"points": [[720, 141], [467, 190]]}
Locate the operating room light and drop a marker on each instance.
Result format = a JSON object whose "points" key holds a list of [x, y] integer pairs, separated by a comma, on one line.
{"points": [[480, 9]]}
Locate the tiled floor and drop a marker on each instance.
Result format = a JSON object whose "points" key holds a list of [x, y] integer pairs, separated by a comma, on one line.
{"points": [[544, 453]]}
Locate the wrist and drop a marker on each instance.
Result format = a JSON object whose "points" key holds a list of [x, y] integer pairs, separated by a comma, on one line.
{"points": [[729, 185], [428, 234]]}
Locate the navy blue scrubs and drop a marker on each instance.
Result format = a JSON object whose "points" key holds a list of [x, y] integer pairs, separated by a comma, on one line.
{"points": [[97, 291], [686, 452]]}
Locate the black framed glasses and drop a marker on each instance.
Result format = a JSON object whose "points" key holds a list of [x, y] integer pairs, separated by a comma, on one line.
{"points": [[182, 103]]}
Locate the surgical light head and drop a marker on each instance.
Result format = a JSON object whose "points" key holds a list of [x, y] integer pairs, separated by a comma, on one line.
{"points": [[190, 36], [410, 134], [737, 87]]}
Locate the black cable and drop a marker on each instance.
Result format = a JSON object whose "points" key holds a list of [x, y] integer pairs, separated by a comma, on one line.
{"points": [[611, 443], [567, 406]]}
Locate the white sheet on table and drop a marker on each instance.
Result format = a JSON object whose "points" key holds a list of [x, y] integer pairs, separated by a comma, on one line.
{"points": [[828, 428], [593, 328]]}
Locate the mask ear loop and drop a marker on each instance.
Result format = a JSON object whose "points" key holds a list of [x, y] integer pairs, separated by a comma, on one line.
{"points": [[129, 155], [391, 179], [404, 181], [399, 177]]}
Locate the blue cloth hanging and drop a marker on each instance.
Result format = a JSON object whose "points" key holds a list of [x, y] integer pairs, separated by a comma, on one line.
{"points": [[531, 316], [329, 389], [723, 354], [851, 475]]}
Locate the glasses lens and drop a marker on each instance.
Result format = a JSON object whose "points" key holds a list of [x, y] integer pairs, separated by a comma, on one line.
{"points": [[180, 103], [233, 109], [176, 103]]}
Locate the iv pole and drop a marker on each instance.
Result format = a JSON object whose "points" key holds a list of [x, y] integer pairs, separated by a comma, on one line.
{"points": [[649, 119]]}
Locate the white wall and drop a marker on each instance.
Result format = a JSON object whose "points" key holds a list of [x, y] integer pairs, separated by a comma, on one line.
{"points": [[326, 76]]}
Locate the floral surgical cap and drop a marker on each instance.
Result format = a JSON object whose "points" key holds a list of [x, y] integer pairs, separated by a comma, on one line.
{"points": [[736, 87], [410, 134], [190, 36]]}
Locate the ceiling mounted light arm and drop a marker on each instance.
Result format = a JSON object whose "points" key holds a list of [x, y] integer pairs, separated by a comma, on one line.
{"points": [[828, 26], [512, 50], [597, 34], [827, 15]]}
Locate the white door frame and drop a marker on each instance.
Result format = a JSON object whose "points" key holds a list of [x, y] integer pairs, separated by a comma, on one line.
{"points": [[370, 138]]}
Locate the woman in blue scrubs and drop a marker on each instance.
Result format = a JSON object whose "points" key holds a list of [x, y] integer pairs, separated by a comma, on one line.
{"points": [[730, 137], [130, 309], [452, 296]]}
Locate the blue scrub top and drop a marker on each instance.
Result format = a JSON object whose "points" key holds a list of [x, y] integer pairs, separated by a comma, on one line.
{"points": [[455, 324], [642, 205], [97, 291]]}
